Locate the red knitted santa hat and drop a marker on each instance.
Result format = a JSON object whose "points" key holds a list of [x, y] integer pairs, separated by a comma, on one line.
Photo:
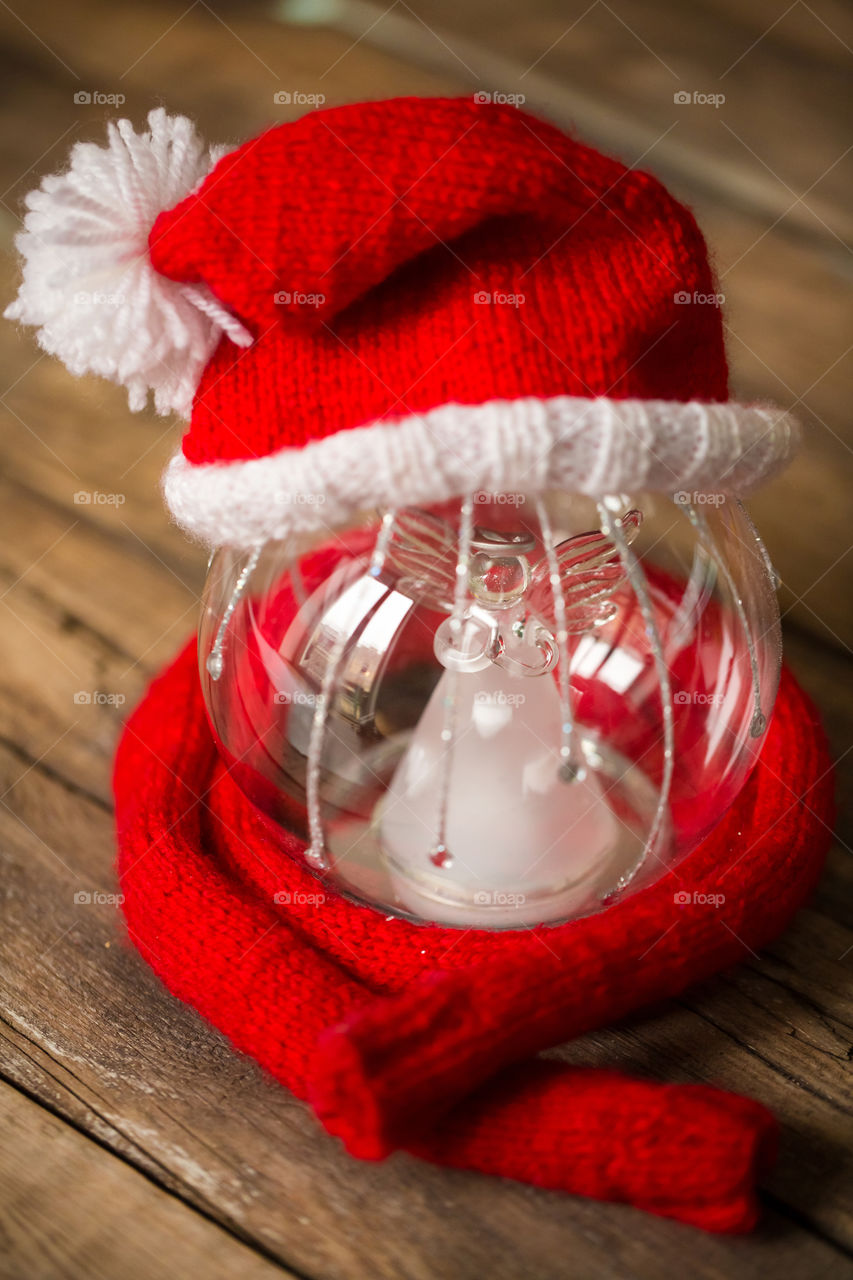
{"points": [[391, 303]]}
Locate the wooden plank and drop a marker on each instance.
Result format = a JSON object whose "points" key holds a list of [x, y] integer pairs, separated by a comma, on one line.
{"points": [[117, 583], [86, 1028], [77, 1211], [64, 691], [137, 52]]}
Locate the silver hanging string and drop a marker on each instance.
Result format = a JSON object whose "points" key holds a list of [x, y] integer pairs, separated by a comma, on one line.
{"points": [[316, 852], [440, 855], [697, 518], [383, 541], [762, 550], [571, 769], [611, 526], [682, 623], [216, 658]]}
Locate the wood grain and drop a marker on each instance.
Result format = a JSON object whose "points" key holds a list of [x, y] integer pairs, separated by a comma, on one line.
{"points": [[135, 1110], [76, 1212]]}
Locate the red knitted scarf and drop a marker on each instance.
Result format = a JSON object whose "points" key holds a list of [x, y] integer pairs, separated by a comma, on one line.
{"points": [[425, 1037]]}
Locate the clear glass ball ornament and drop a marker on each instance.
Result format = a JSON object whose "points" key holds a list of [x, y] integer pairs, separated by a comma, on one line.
{"points": [[499, 711]]}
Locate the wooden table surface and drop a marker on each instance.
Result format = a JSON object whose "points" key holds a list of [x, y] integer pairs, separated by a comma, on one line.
{"points": [[135, 1142]]}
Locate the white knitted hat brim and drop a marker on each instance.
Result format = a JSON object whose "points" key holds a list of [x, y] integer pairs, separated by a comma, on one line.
{"points": [[575, 445]]}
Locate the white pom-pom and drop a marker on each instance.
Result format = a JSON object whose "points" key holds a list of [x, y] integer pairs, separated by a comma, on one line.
{"points": [[88, 282]]}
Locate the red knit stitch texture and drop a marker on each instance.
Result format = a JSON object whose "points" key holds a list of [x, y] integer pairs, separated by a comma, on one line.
{"points": [[391, 257], [421, 1036]]}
